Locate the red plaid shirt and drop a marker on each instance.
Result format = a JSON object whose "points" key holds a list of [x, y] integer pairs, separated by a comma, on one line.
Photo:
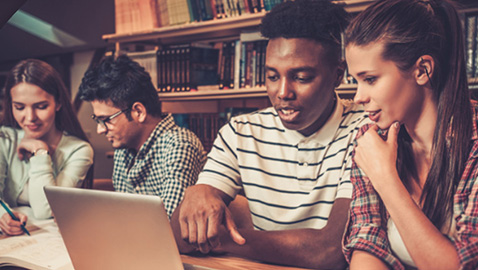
{"points": [[367, 231]]}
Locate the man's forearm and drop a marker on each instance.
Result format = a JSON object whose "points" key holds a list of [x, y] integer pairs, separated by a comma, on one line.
{"points": [[308, 248], [311, 248]]}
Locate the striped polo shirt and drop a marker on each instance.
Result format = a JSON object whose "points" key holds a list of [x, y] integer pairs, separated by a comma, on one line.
{"points": [[289, 180]]}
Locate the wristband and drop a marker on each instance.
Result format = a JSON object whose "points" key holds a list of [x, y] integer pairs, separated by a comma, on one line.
{"points": [[40, 151]]}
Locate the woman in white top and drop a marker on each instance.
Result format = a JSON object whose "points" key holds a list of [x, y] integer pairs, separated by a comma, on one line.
{"points": [[41, 142]]}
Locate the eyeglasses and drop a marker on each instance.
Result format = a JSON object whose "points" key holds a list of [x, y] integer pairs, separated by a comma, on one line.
{"points": [[103, 120]]}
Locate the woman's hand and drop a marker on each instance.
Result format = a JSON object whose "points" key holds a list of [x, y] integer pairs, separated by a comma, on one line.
{"points": [[376, 157], [28, 146], [10, 226]]}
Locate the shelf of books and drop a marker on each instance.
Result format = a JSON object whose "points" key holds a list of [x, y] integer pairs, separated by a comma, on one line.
{"points": [[166, 20], [198, 49], [192, 30]]}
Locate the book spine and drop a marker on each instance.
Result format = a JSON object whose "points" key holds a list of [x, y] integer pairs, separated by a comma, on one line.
{"points": [[263, 65], [202, 10], [254, 65], [221, 64], [192, 10], [213, 5], [242, 72], [237, 63], [267, 5], [187, 66], [248, 60], [163, 12], [160, 70], [178, 12], [168, 70], [227, 65], [182, 70], [232, 64], [209, 9]]}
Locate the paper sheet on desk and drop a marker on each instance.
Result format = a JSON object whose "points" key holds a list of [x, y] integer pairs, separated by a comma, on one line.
{"points": [[45, 248]]}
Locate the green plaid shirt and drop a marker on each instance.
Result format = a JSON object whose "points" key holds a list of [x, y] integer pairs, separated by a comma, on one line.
{"points": [[165, 165]]}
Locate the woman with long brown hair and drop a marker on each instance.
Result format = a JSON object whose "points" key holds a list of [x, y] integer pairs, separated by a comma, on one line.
{"points": [[41, 141], [415, 198]]}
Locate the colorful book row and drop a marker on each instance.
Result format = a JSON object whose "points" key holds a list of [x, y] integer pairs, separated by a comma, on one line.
{"points": [[140, 15]]}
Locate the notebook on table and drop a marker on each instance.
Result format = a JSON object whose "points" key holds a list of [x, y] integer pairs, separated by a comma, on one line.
{"points": [[109, 230]]}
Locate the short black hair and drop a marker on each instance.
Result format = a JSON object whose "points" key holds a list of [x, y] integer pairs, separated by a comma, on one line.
{"points": [[318, 20], [123, 81]]}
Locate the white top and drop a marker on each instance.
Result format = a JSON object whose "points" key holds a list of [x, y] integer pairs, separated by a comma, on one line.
{"points": [[290, 181], [398, 246], [67, 166]]}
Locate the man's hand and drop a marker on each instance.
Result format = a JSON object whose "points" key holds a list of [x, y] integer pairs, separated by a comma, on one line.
{"points": [[202, 213], [10, 226]]}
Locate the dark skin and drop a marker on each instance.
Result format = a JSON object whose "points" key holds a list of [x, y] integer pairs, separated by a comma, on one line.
{"points": [[300, 84], [309, 248]]}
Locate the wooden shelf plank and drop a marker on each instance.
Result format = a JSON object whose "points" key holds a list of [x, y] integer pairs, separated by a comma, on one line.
{"points": [[232, 94], [214, 94]]}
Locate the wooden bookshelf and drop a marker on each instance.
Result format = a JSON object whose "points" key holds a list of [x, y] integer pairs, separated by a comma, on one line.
{"points": [[214, 94], [215, 29], [225, 28], [192, 31], [342, 90], [231, 26]]}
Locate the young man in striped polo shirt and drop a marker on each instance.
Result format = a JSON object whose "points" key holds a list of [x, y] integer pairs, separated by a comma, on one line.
{"points": [[291, 161]]}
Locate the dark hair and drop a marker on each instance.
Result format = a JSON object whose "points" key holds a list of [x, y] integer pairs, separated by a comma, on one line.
{"points": [[318, 20], [47, 78], [408, 30], [124, 82]]}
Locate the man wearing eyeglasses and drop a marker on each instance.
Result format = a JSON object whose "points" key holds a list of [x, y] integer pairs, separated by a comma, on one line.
{"points": [[152, 154]]}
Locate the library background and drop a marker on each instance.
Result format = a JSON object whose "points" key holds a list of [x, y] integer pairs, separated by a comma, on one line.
{"points": [[206, 57]]}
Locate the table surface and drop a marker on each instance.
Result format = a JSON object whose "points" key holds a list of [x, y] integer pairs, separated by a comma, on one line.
{"points": [[231, 262], [226, 262]]}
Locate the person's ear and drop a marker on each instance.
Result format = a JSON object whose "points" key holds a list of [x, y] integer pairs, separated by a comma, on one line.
{"points": [[340, 72], [138, 112], [424, 70]]}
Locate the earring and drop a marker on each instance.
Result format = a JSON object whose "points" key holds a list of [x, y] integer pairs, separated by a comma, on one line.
{"points": [[426, 70], [428, 75]]}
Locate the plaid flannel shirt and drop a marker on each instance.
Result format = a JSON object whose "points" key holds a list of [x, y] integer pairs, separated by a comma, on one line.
{"points": [[368, 232], [165, 165]]}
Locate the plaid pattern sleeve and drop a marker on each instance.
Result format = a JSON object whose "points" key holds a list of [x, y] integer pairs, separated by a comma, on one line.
{"points": [[166, 164], [466, 207], [181, 167], [366, 230]]}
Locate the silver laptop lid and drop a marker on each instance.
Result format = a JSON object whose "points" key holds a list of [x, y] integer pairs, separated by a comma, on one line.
{"points": [[108, 230]]}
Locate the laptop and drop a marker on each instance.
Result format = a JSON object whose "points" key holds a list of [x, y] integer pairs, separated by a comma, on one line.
{"points": [[109, 230]]}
